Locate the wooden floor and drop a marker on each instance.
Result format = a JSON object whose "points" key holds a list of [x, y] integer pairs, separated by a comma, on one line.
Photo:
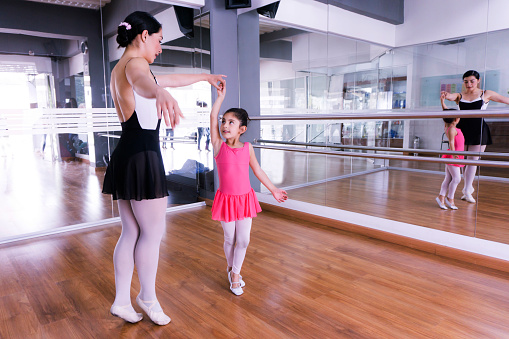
{"points": [[409, 197], [303, 281]]}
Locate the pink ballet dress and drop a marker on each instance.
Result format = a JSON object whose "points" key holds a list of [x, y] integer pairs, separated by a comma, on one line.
{"points": [[459, 144], [235, 199]]}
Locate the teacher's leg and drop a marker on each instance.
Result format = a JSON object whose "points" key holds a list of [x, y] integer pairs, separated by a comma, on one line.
{"points": [[151, 217], [123, 256], [123, 261], [469, 172]]}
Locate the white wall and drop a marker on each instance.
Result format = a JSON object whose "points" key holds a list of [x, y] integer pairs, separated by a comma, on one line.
{"points": [[436, 20], [307, 14], [348, 24], [275, 70], [318, 17], [76, 64], [41, 64], [318, 50], [425, 20], [183, 3]]}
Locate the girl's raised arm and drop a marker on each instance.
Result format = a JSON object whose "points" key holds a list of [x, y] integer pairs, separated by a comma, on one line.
{"points": [[277, 193], [215, 136], [450, 96]]}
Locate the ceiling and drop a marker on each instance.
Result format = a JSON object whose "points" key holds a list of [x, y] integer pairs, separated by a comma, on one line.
{"points": [[265, 26], [204, 21], [92, 4]]}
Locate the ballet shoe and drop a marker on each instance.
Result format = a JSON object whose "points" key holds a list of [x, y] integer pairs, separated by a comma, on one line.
{"points": [[451, 206], [468, 197], [158, 318], [124, 313], [235, 290], [442, 206], [242, 283]]}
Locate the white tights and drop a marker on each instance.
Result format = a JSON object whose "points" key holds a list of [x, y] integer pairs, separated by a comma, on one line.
{"points": [[469, 172], [236, 240], [143, 224], [451, 181]]}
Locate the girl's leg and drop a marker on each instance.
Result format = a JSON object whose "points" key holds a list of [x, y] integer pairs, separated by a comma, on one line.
{"points": [[229, 241], [445, 184], [150, 215], [469, 172], [123, 256], [242, 232], [456, 179]]}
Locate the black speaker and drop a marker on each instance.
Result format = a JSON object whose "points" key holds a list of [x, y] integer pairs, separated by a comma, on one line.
{"points": [[231, 4], [269, 10], [185, 19]]}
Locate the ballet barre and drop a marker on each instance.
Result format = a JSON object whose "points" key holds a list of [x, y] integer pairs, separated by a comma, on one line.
{"points": [[487, 163], [389, 115], [491, 155]]}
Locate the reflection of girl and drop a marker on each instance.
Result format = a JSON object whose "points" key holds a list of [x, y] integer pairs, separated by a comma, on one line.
{"points": [[452, 172], [476, 131]]}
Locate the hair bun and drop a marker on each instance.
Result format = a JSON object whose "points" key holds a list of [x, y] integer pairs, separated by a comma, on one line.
{"points": [[122, 36], [134, 24]]}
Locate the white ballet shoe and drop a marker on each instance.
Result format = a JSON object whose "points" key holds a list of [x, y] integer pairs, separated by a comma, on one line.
{"points": [[451, 206], [124, 313], [242, 283], [158, 318], [235, 290], [468, 197], [442, 206]]}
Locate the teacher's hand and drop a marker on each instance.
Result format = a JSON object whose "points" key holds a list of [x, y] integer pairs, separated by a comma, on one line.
{"points": [[168, 108], [214, 79]]}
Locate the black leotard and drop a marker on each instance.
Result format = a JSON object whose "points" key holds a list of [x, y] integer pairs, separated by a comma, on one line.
{"points": [[136, 169], [475, 130]]}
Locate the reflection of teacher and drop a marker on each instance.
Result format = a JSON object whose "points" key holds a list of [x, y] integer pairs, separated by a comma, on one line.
{"points": [[476, 131]]}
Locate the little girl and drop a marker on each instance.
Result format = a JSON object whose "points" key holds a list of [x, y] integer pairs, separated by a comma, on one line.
{"points": [[235, 202], [452, 172]]}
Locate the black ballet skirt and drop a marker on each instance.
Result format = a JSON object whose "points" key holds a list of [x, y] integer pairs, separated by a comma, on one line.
{"points": [[136, 169], [475, 130]]}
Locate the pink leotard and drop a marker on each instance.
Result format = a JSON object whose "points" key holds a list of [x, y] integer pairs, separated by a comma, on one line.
{"points": [[459, 145], [235, 199]]}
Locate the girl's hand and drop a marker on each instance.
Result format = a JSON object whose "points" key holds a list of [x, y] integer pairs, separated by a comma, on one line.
{"points": [[279, 195], [221, 91], [214, 79], [168, 107]]}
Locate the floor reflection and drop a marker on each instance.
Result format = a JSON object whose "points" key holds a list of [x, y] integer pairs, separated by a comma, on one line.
{"points": [[40, 194], [409, 197]]}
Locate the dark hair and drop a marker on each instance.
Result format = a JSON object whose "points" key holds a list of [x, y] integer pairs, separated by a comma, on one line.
{"points": [[134, 24], [449, 120], [72, 103], [240, 114], [470, 73]]}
